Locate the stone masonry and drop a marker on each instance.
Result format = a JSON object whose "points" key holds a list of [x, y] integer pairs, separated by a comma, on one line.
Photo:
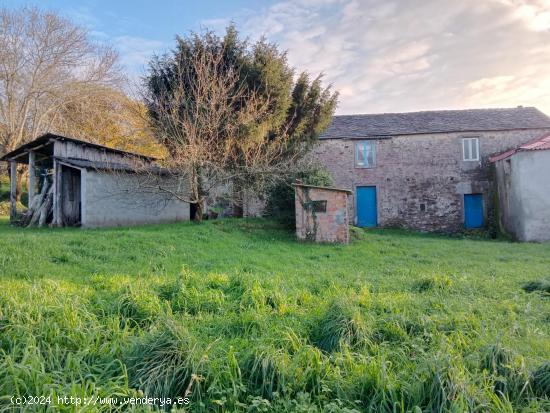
{"points": [[322, 214], [421, 179]]}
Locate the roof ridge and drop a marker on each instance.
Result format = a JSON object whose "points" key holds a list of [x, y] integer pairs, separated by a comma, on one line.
{"points": [[440, 111]]}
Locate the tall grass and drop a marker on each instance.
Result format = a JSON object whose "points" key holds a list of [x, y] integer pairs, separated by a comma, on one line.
{"points": [[277, 326]]}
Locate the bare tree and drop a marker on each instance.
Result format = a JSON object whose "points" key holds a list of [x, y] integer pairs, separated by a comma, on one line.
{"points": [[205, 120], [46, 62]]}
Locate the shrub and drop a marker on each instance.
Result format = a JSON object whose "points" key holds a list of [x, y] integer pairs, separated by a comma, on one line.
{"points": [[5, 207], [280, 197]]}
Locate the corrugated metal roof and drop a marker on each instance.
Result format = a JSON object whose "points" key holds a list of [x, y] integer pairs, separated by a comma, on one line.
{"points": [[540, 144], [442, 121]]}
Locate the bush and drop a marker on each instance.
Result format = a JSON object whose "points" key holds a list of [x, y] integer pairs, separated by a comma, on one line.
{"points": [[5, 208], [280, 198]]}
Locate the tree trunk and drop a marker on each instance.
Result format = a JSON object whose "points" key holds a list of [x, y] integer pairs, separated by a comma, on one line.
{"points": [[196, 193], [199, 211], [238, 199]]}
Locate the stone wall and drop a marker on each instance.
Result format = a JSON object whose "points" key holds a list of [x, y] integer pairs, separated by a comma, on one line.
{"points": [[421, 179], [332, 225]]}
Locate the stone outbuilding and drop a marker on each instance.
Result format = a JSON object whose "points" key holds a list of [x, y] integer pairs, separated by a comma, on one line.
{"points": [[92, 185], [322, 213], [523, 179]]}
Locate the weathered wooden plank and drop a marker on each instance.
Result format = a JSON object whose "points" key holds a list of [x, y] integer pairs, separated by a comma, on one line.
{"points": [[13, 190], [32, 177], [56, 194]]}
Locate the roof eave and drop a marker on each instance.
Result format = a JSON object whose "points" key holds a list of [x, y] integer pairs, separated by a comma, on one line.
{"points": [[50, 137], [391, 135]]}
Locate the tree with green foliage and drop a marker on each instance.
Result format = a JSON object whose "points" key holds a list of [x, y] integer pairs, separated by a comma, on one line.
{"points": [[232, 114], [281, 203]]}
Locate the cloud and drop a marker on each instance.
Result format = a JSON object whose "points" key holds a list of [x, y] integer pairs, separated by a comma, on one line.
{"points": [[394, 55], [534, 13], [217, 24], [136, 52]]}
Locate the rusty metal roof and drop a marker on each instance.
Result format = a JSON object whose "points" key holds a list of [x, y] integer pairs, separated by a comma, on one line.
{"points": [[539, 144]]}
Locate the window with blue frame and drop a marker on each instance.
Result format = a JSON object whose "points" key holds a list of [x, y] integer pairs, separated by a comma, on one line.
{"points": [[365, 154]]}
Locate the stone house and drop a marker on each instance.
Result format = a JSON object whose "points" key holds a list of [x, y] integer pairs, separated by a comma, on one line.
{"points": [[427, 171], [92, 185], [523, 182]]}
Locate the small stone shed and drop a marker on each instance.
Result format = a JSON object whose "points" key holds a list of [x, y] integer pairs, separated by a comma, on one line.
{"points": [[322, 213], [93, 185], [523, 180]]}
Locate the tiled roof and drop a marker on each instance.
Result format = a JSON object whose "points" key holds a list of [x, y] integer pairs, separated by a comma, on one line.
{"points": [[540, 144], [441, 121]]}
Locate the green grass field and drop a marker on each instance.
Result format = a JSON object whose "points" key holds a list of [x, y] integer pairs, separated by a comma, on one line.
{"points": [[239, 317]]}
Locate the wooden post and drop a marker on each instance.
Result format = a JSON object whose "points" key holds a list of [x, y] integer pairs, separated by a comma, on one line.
{"points": [[32, 177], [13, 189], [56, 193]]}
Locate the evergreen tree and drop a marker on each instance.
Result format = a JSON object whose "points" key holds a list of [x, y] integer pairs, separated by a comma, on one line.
{"points": [[290, 110]]}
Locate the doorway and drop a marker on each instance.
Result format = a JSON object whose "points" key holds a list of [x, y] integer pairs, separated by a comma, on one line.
{"points": [[70, 196]]}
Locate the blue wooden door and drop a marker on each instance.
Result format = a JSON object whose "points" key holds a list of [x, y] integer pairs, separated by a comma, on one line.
{"points": [[473, 211], [367, 214]]}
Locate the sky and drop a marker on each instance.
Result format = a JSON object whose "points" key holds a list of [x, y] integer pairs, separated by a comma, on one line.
{"points": [[380, 55]]}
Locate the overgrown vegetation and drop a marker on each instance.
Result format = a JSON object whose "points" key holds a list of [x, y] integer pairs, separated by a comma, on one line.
{"points": [[542, 286], [280, 196], [233, 115], [240, 317]]}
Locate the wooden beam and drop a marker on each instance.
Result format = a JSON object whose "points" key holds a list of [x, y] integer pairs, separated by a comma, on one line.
{"points": [[56, 193], [32, 176], [13, 189]]}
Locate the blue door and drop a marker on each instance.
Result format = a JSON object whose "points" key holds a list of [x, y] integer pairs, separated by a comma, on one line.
{"points": [[367, 215], [473, 211]]}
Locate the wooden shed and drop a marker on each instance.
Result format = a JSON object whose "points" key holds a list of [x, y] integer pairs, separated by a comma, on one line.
{"points": [[91, 185]]}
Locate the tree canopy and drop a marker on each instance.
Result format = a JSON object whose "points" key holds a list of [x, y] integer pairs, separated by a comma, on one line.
{"points": [[256, 113]]}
